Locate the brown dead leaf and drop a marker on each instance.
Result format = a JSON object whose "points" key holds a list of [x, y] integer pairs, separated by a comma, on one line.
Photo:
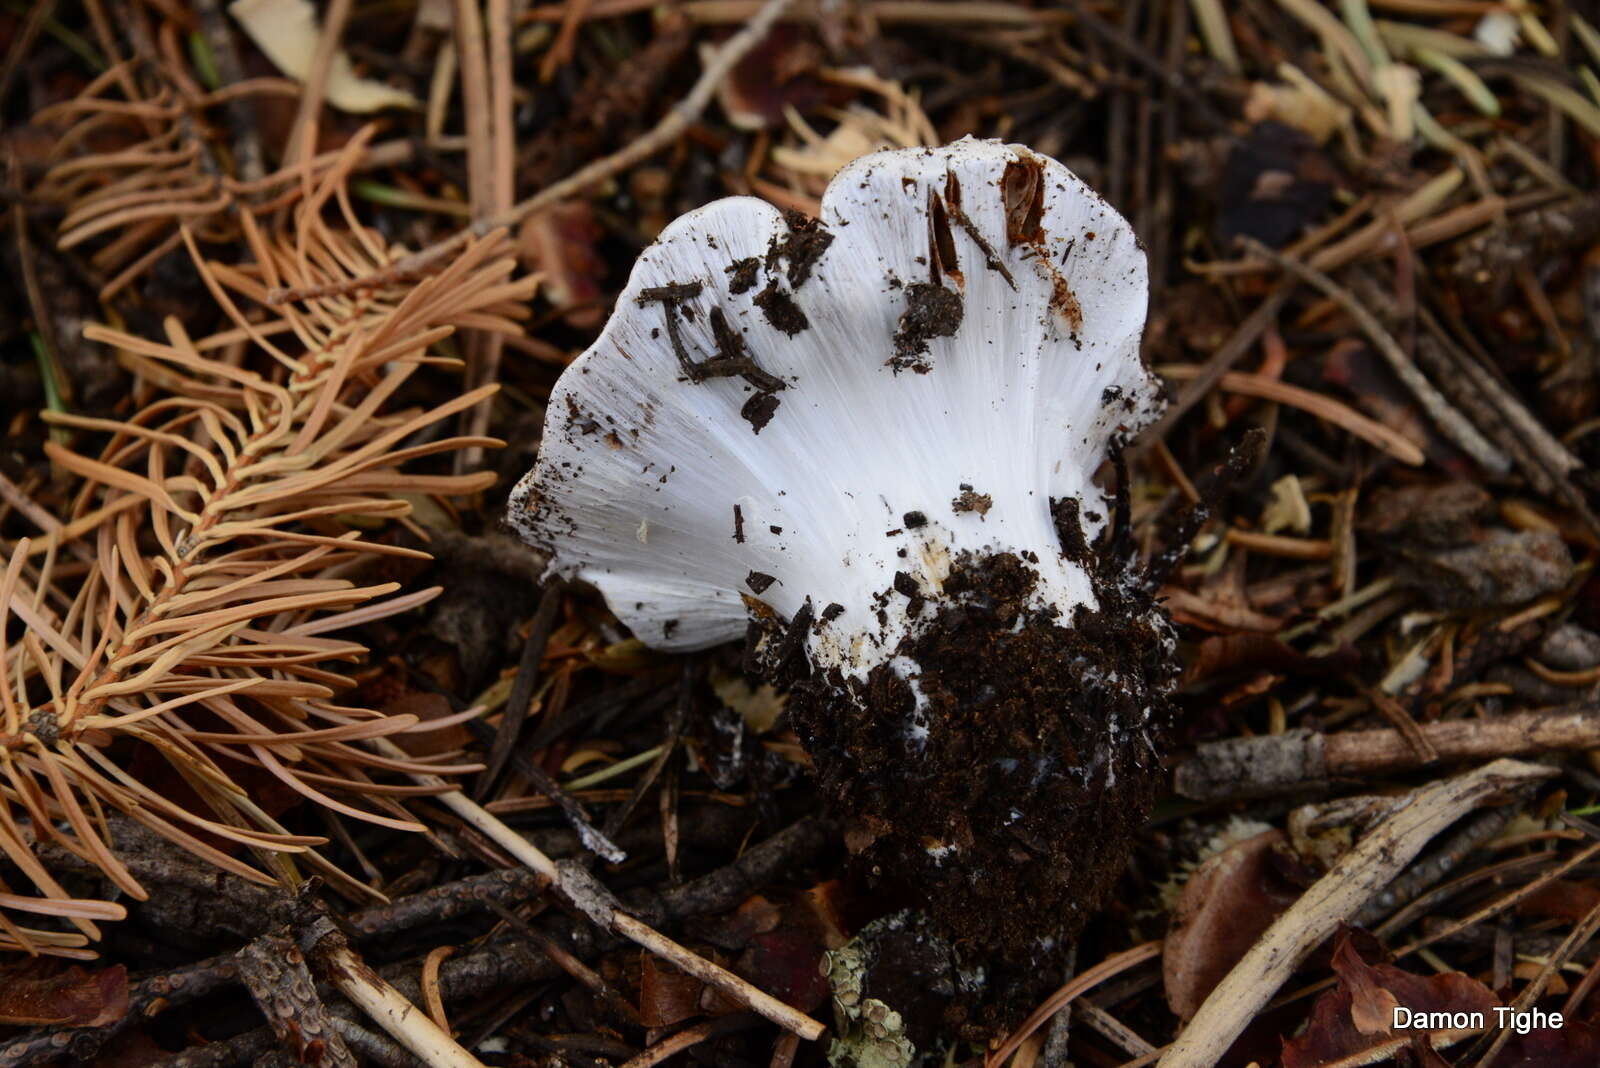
{"points": [[1355, 1015], [559, 243], [666, 995], [1231, 654], [783, 72], [39, 993], [426, 707], [1225, 906], [1563, 899]]}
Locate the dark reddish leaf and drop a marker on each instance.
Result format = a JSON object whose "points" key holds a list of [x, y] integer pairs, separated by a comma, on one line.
{"points": [[780, 73], [780, 944], [560, 243], [1355, 1015], [40, 993], [1563, 899], [1574, 1043], [786, 963]]}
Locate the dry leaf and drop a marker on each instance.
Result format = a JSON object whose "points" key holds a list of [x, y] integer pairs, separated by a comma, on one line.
{"points": [[1225, 906], [759, 706], [39, 993], [666, 995], [1355, 1015], [287, 31], [559, 243]]}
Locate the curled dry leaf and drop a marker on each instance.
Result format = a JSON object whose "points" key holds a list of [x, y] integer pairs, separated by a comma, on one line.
{"points": [[781, 74], [1355, 1015]]}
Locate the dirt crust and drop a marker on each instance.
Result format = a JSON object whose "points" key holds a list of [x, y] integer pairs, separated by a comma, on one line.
{"points": [[999, 786]]}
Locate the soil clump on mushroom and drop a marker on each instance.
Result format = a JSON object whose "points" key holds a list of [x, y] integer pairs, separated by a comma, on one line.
{"points": [[995, 771]]}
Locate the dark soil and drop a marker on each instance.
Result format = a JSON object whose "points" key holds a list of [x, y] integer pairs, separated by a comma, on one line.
{"points": [[742, 274], [931, 311], [780, 309], [800, 248], [1011, 819]]}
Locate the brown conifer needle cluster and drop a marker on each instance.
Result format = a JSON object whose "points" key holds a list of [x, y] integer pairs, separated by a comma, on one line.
{"points": [[188, 604]]}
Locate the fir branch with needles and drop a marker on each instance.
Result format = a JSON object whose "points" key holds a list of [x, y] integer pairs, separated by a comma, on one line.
{"points": [[188, 602]]}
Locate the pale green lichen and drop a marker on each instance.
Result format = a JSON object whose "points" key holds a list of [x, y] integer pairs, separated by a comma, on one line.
{"points": [[871, 1034]]}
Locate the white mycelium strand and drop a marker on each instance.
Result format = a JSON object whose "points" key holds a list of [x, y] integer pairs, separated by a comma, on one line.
{"points": [[898, 439]]}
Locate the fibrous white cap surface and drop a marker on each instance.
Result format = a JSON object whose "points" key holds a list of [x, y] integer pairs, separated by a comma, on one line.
{"points": [[642, 469]]}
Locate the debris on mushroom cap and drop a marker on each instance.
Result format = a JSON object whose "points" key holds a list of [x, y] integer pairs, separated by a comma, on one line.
{"points": [[774, 395]]}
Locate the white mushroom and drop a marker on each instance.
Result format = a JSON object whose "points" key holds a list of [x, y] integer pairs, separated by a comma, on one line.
{"points": [[860, 434], [970, 392]]}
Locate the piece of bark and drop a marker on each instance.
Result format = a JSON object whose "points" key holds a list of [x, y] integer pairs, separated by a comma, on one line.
{"points": [[274, 970]]}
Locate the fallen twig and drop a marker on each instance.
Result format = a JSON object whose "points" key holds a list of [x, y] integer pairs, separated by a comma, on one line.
{"points": [[386, 1006], [274, 970], [1302, 759]]}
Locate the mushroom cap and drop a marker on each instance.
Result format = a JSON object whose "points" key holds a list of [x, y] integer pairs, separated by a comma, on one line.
{"points": [[782, 411]]}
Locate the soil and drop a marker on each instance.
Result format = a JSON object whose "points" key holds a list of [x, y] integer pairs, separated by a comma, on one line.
{"points": [[931, 311], [800, 248], [742, 274], [781, 310], [970, 500], [1011, 818], [759, 410]]}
